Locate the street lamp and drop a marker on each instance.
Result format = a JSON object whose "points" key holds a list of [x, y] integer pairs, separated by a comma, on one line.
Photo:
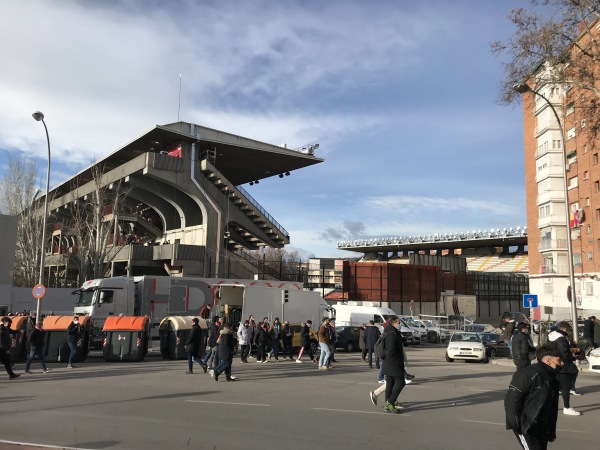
{"points": [[522, 88], [38, 317]]}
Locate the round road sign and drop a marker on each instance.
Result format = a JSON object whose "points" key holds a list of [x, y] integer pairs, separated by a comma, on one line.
{"points": [[39, 290]]}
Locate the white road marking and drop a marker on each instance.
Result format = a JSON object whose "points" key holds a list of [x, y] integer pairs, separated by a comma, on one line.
{"points": [[42, 445], [503, 424], [227, 403], [353, 411]]}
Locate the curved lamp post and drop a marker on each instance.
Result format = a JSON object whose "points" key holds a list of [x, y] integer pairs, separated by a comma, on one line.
{"points": [[38, 317], [522, 89]]}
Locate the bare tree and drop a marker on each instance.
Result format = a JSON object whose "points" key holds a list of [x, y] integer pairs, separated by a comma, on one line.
{"points": [[17, 191], [94, 225], [555, 42]]}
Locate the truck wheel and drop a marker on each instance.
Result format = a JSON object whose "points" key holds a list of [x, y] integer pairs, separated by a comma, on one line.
{"points": [[433, 337], [448, 358]]}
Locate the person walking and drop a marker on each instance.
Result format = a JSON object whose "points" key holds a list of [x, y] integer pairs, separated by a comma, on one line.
{"points": [[372, 334], [361, 343], [253, 330], [5, 346], [333, 336], [521, 346], [588, 336], [508, 329], [393, 366], [261, 340], [36, 343], [73, 336], [288, 336], [276, 333], [324, 342], [568, 375], [244, 335], [305, 343], [531, 402], [226, 348], [213, 334], [193, 344]]}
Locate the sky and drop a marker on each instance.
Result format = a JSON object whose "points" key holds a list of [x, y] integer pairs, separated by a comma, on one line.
{"points": [[402, 97]]}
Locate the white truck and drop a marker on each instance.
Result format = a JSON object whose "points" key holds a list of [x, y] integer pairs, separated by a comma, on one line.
{"points": [[161, 296], [355, 315]]}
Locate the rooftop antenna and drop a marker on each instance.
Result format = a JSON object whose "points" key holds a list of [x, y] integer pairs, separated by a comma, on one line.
{"points": [[179, 104]]}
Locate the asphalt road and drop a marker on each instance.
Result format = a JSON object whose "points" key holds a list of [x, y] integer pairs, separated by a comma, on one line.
{"points": [[154, 404]]}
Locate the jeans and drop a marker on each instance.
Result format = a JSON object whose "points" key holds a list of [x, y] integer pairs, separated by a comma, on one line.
{"points": [[381, 371], [275, 349], [509, 345], [224, 366], [32, 354], [191, 359], [245, 352], [73, 347], [325, 352], [370, 355], [214, 353]]}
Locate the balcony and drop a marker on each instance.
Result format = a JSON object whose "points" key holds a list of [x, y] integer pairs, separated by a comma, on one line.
{"points": [[552, 220], [553, 244], [550, 171], [551, 196]]}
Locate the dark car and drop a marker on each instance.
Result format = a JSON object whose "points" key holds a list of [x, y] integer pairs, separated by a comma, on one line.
{"points": [[348, 338], [494, 345]]}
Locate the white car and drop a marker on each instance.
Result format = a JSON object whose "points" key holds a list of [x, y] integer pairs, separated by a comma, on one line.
{"points": [[434, 332], [467, 346], [480, 328], [594, 360]]}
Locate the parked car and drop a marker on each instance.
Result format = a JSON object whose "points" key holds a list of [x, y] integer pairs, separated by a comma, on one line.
{"points": [[417, 332], [348, 338], [466, 346], [594, 360], [480, 328], [435, 333], [494, 345]]}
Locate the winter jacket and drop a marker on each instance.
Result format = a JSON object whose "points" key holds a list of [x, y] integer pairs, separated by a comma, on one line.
{"points": [[73, 332], [531, 403], [305, 336], [226, 345], [588, 329], [276, 332], [194, 339], [324, 335], [262, 336], [521, 349], [372, 333], [5, 338], [393, 365], [558, 339], [288, 335], [36, 340], [244, 335], [213, 334]]}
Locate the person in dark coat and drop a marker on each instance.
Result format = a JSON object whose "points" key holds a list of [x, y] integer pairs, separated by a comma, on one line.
{"points": [[262, 340], [5, 346], [588, 336], [568, 375], [362, 344], [305, 342], [288, 336], [393, 366], [521, 346], [192, 346], [226, 348], [531, 403], [372, 334], [74, 331], [213, 335], [35, 343]]}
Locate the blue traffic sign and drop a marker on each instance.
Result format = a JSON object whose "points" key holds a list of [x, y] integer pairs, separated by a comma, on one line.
{"points": [[530, 301]]}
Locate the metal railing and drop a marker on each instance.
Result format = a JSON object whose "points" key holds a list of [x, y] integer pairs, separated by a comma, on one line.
{"points": [[262, 210]]}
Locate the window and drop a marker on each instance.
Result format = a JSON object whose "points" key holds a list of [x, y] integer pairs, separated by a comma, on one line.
{"points": [[577, 259], [586, 175], [582, 123], [556, 144], [571, 133], [545, 211], [589, 229], [548, 310], [587, 201], [597, 214], [595, 158], [573, 182], [596, 186], [590, 256], [585, 148], [589, 288], [570, 108]]}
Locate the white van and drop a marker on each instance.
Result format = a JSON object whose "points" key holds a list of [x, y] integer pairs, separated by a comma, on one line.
{"points": [[356, 315]]}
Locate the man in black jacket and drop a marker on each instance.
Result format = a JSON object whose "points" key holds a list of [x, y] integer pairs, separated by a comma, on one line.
{"points": [[36, 343], [521, 346], [5, 346], [567, 377], [192, 346], [393, 366], [531, 403]]}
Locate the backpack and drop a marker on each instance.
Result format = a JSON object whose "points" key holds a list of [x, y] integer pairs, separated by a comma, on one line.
{"points": [[379, 348]]}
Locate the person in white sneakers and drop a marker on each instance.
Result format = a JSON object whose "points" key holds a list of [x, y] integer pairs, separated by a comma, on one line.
{"points": [[568, 375]]}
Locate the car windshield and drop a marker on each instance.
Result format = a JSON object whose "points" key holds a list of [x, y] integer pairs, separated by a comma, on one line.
{"points": [[85, 297], [489, 337], [339, 329], [410, 321], [428, 323], [475, 328], [465, 337]]}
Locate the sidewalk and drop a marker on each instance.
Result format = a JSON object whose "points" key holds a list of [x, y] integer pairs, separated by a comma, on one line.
{"points": [[509, 363]]}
